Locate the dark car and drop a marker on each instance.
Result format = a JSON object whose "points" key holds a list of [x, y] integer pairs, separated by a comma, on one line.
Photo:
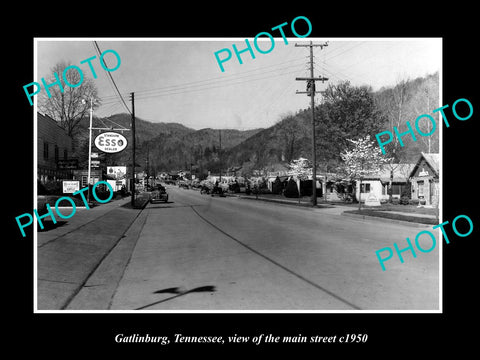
{"points": [[217, 190], [159, 194]]}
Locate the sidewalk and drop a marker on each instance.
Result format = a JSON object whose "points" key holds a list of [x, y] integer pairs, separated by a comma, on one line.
{"points": [[82, 216], [336, 209], [69, 254]]}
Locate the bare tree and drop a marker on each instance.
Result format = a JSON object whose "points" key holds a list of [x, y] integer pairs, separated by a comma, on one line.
{"points": [[396, 107], [424, 102], [290, 134], [72, 104]]}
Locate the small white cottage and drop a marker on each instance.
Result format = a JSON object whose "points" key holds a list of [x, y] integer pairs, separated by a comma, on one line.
{"points": [[377, 184]]}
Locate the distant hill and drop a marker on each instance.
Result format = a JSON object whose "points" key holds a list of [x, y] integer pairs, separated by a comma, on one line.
{"points": [[200, 148], [287, 139], [172, 146], [166, 146], [291, 137], [144, 129]]}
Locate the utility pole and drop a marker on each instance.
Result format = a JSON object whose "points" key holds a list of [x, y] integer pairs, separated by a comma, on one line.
{"points": [[89, 150], [311, 92], [220, 152], [147, 165], [133, 148]]}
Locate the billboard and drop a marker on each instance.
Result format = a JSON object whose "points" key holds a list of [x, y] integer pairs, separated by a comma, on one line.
{"points": [[117, 172], [110, 142]]}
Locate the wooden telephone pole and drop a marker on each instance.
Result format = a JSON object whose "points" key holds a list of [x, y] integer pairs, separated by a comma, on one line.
{"points": [[311, 92], [133, 149]]}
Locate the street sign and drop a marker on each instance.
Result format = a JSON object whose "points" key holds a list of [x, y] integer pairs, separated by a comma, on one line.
{"points": [[110, 142], [69, 164], [69, 187], [94, 155], [95, 163]]}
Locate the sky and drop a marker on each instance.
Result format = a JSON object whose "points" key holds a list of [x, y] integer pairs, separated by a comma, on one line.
{"points": [[179, 79]]}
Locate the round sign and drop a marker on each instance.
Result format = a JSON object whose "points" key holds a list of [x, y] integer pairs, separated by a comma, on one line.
{"points": [[110, 142]]}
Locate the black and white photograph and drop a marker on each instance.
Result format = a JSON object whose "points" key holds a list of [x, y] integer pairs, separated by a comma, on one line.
{"points": [[238, 180]]}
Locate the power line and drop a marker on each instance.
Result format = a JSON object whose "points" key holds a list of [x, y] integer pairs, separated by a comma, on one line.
{"points": [[209, 81], [276, 96], [343, 52], [111, 78], [148, 96], [226, 81], [226, 78], [337, 46]]}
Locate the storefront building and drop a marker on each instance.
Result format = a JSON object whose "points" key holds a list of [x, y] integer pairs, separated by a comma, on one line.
{"points": [[425, 179], [54, 147]]}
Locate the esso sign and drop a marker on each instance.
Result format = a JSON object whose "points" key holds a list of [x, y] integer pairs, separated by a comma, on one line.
{"points": [[110, 142]]}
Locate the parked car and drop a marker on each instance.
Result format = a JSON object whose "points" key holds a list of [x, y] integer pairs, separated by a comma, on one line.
{"points": [[183, 184], [159, 194], [217, 190]]}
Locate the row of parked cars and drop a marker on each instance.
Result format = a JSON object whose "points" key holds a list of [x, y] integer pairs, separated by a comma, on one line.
{"points": [[206, 184]]}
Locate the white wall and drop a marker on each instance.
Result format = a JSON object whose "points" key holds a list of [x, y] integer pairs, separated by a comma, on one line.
{"points": [[375, 188]]}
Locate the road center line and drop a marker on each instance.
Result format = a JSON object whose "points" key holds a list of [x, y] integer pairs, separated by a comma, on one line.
{"points": [[276, 263]]}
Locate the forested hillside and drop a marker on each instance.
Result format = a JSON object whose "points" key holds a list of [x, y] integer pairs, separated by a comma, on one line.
{"points": [[163, 146], [344, 112]]}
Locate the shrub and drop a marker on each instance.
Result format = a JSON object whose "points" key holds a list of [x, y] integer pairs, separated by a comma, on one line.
{"points": [[101, 194], [306, 188], [291, 190], [414, 202], [53, 188], [277, 186], [404, 200]]}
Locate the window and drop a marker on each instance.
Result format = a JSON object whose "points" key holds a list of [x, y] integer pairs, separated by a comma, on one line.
{"points": [[45, 150], [397, 189], [65, 154], [365, 188], [56, 153]]}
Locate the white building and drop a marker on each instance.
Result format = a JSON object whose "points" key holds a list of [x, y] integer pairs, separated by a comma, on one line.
{"points": [[378, 183]]}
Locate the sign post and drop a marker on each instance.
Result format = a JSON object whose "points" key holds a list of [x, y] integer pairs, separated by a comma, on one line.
{"points": [[89, 148]]}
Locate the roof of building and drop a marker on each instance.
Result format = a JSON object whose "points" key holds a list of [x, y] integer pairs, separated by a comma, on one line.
{"points": [[401, 173], [44, 117], [432, 159]]}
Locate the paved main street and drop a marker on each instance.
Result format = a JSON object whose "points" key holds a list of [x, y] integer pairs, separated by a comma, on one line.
{"points": [[235, 254]]}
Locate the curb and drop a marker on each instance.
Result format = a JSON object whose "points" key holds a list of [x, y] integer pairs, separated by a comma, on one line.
{"points": [[280, 201], [382, 219], [141, 206], [304, 205]]}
